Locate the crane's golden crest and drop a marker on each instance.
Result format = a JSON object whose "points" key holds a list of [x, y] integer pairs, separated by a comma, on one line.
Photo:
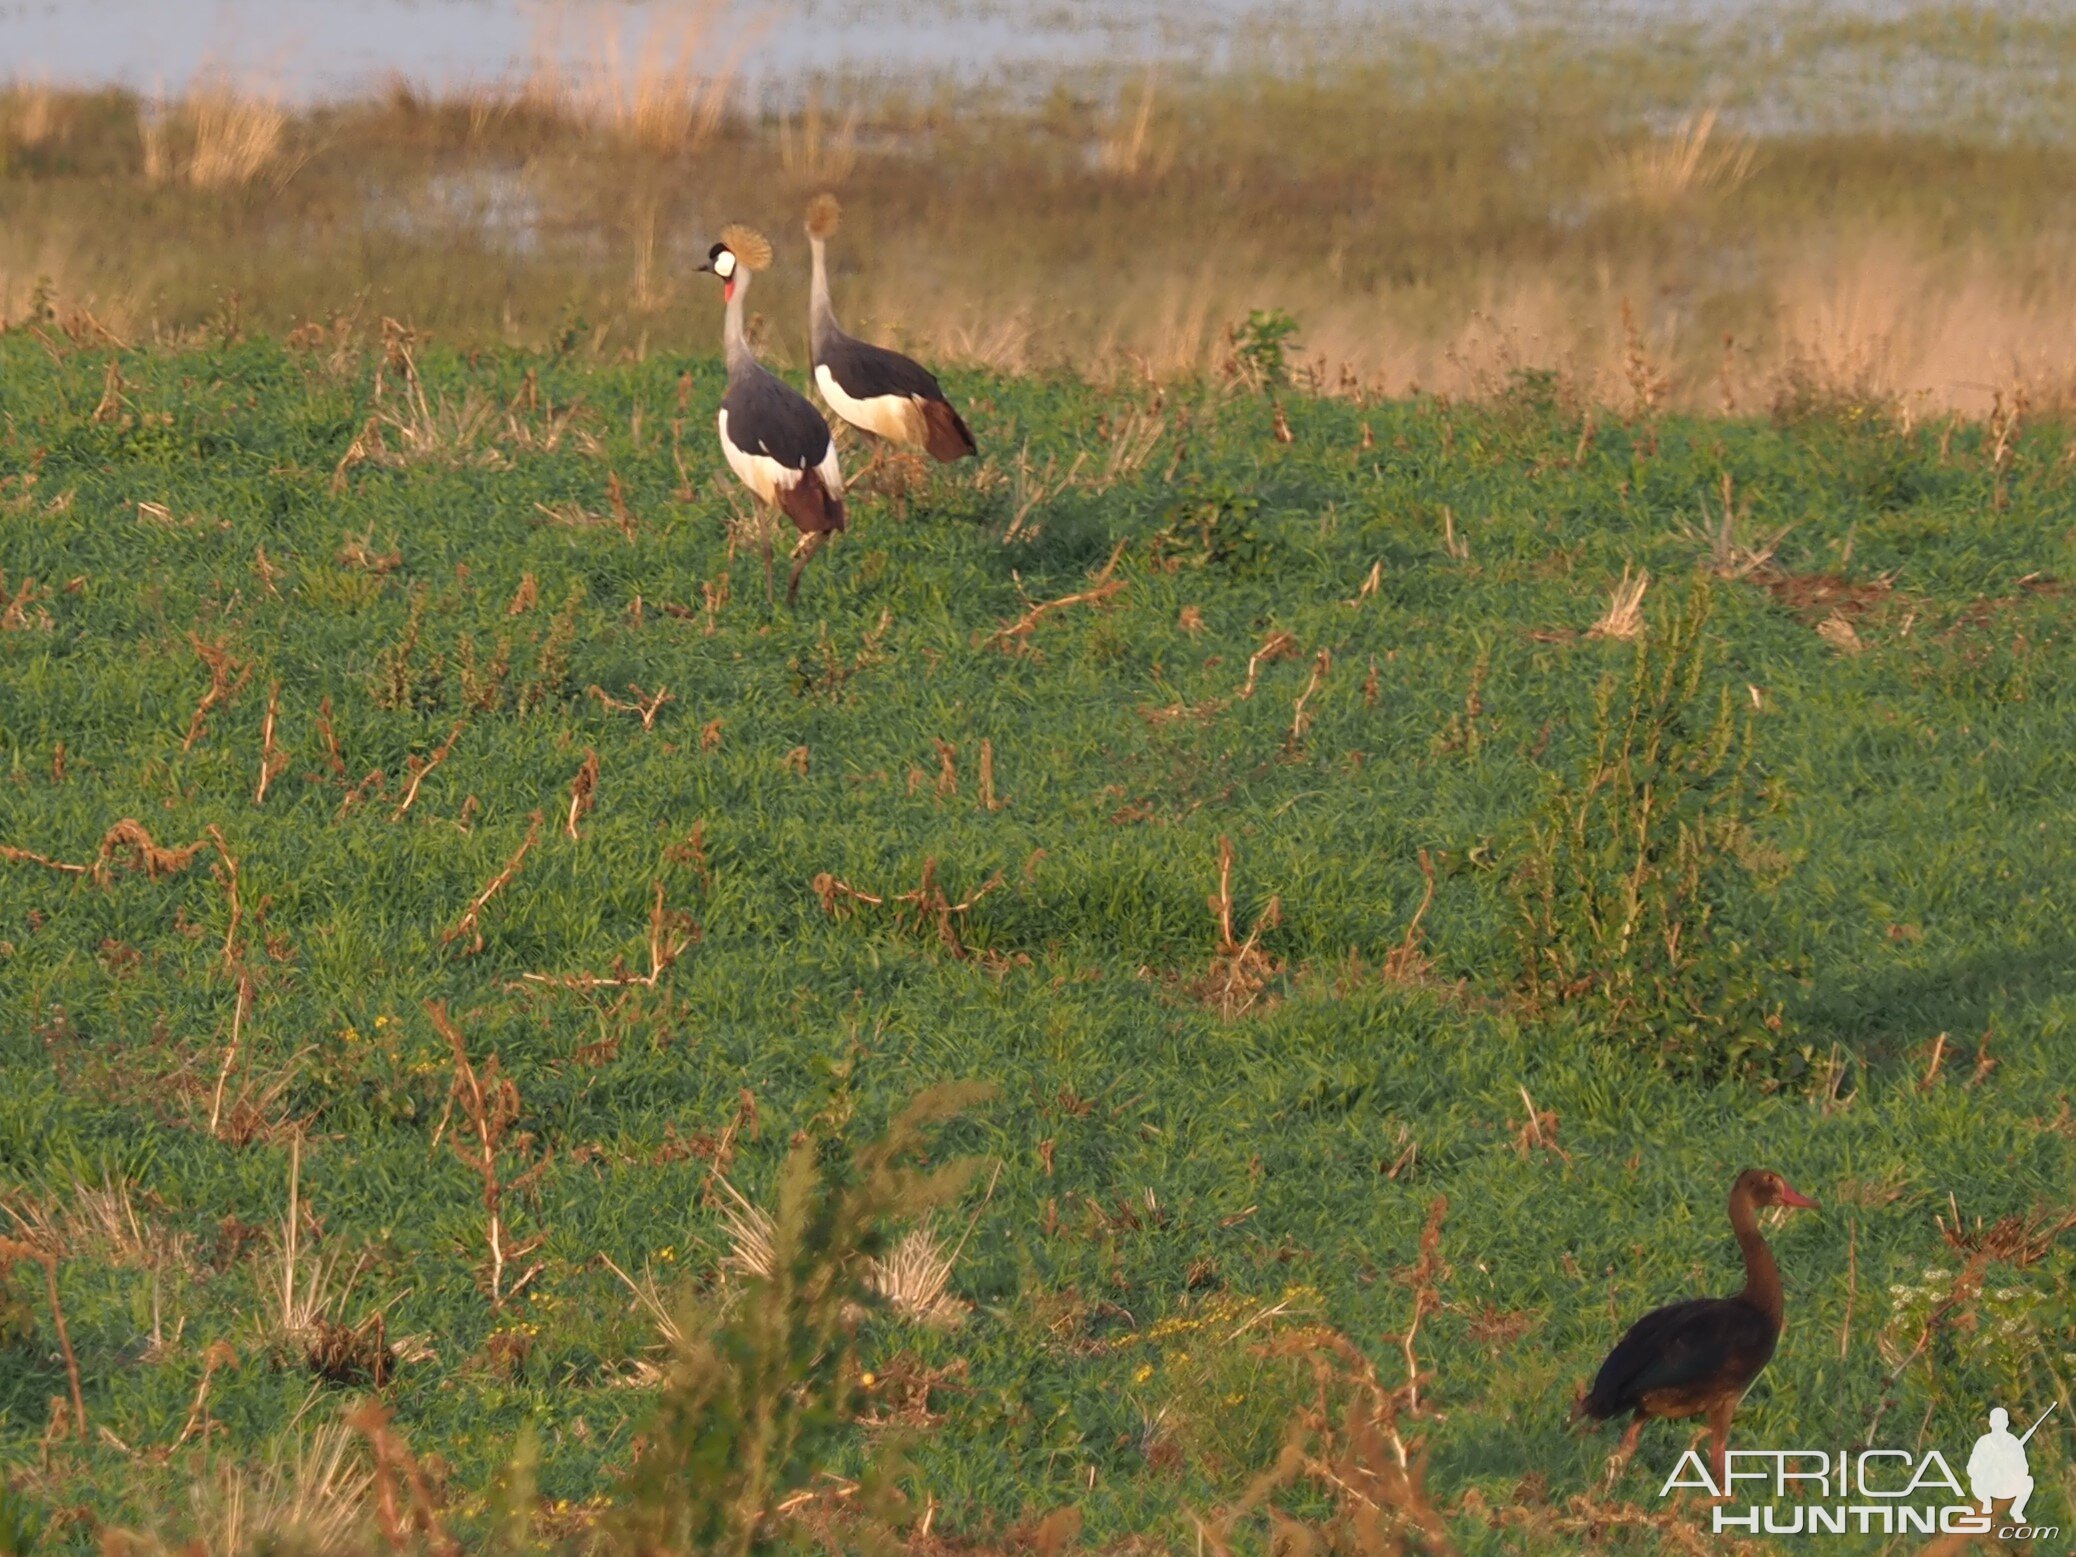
{"points": [[749, 246], [823, 215]]}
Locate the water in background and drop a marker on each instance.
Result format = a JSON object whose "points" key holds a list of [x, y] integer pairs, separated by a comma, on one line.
{"points": [[306, 49]]}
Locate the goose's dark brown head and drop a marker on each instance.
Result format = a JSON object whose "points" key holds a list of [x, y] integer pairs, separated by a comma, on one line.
{"points": [[1763, 1187]]}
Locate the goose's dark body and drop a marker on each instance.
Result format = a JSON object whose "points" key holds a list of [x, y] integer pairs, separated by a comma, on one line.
{"points": [[1676, 1359], [1698, 1357]]}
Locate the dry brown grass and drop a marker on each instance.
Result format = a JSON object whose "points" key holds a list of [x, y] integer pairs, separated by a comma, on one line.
{"points": [[1692, 160], [666, 90], [1623, 617], [1912, 269], [811, 150], [221, 136]]}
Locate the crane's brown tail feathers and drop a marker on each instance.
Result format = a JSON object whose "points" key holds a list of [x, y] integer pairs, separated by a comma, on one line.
{"points": [[945, 433], [812, 507]]}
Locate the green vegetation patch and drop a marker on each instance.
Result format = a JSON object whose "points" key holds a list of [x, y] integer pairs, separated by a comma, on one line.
{"points": [[439, 888]]}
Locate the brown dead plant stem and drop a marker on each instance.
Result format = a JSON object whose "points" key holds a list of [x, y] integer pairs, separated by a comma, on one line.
{"points": [[126, 843], [230, 1053], [227, 678], [272, 758], [2015, 1240], [583, 792], [490, 1102], [405, 1504], [1406, 963], [1240, 970], [470, 923], [1349, 1445], [671, 933], [1278, 645], [228, 874], [645, 705], [926, 906], [12, 1250], [420, 767], [1300, 718], [1102, 587]]}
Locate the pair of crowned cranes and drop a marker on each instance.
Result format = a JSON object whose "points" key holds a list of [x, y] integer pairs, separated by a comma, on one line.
{"points": [[775, 441]]}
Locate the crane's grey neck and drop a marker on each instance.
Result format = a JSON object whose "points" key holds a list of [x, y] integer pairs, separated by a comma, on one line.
{"points": [[733, 336], [822, 328]]}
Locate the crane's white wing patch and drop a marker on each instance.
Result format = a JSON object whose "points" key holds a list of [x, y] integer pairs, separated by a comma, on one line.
{"points": [[762, 474], [897, 418]]}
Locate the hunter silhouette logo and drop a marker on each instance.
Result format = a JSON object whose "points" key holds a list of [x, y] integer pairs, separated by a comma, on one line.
{"points": [[1997, 1468]]}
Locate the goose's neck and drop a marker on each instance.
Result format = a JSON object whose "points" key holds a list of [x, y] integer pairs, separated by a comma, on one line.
{"points": [[1761, 1275], [734, 338], [821, 316]]}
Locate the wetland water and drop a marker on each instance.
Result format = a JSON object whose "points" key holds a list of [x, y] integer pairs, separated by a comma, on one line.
{"points": [[308, 49]]}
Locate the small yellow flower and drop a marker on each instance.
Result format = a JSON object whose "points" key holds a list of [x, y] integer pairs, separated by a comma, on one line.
{"points": [[868, 1379], [1145, 1372], [381, 1021]]}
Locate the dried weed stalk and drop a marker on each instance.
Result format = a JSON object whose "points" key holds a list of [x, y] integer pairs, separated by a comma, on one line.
{"points": [[1101, 587], [1349, 1446], [490, 1102], [646, 706], [925, 906], [1240, 970], [1279, 645], [670, 934], [272, 758], [420, 767], [227, 678], [469, 924], [583, 792], [13, 1249], [1624, 616]]}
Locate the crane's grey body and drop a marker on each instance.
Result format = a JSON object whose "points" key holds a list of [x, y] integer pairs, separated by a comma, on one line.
{"points": [[774, 440], [877, 390]]}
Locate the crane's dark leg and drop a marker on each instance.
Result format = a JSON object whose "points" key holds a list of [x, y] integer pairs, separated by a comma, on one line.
{"points": [[1619, 1462], [810, 543]]}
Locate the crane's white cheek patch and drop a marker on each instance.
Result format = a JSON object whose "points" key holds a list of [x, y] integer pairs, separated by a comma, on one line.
{"points": [[724, 264]]}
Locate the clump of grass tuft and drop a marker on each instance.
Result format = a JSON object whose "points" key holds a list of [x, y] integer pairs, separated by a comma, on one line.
{"points": [[1690, 161], [1240, 970], [218, 138], [758, 1392], [1623, 617], [1626, 874]]}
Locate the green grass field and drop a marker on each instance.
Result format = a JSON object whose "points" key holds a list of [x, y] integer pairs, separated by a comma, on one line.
{"points": [[1179, 1182]]}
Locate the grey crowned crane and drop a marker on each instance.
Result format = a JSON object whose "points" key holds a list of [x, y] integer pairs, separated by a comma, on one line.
{"points": [[875, 390], [775, 441]]}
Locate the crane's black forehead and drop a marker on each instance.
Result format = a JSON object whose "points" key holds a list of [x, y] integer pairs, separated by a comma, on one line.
{"points": [[717, 251]]}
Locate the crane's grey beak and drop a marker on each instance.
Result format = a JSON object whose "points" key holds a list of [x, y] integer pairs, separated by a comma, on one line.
{"points": [[706, 265]]}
